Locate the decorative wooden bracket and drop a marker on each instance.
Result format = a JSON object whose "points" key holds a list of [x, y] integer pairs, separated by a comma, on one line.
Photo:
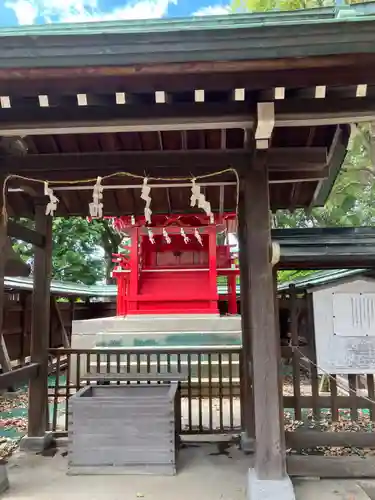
{"points": [[265, 125]]}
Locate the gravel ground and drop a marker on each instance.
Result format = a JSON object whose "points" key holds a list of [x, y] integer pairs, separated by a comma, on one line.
{"points": [[13, 421]]}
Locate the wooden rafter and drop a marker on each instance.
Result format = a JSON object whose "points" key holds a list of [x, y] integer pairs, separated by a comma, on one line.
{"points": [[55, 311], [25, 234], [278, 159], [18, 376], [169, 203]]}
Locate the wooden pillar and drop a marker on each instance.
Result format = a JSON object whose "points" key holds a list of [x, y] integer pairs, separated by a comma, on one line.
{"points": [[38, 389], [247, 403], [4, 358], [269, 426]]}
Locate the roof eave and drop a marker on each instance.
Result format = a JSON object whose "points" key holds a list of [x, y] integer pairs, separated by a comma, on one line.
{"points": [[228, 40]]}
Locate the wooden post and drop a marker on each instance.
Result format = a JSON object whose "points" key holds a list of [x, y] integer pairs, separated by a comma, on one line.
{"points": [[120, 296], [60, 323], [4, 358], [247, 403], [72, 302], [232, 294], [295, 355], [38, 389], [269, 426], [23, 304], [278, 347]]}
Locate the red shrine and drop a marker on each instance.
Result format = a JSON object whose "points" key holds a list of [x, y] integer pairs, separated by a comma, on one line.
{"points": [[171, 265]]}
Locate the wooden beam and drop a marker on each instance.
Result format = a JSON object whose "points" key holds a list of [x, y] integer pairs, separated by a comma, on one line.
{"points": [[269, 418], [331, 467], [24, 324], [25, 234], [290, 159], [286, 159], [185, 116], [5, 360], [38, 398], [18, 376], [251, 73], [297, 176], [130, 161], [317, 112], [88, 119], [336, 156], [277, 159], [64, 335], [169, 203]]}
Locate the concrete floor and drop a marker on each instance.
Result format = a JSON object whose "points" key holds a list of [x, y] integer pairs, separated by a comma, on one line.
{"points": [[205, 472]]}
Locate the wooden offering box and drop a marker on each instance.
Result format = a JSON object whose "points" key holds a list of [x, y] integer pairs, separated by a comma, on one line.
{"points": [[123, 429]]}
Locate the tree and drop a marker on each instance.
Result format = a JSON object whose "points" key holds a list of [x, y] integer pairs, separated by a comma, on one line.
{"points": [[82, 250], [352, 200], [110, 241], [266, 5]]}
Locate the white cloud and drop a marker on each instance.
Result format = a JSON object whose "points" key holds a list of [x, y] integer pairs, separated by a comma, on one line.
{"points": [[28, 11], [25, 11], [213, 10]]}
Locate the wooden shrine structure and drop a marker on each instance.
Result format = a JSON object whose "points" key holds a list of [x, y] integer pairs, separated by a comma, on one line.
{"points": [[254, 107]]}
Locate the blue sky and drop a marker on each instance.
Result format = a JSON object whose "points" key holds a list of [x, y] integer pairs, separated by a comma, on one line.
{"points": [[23, 12]]}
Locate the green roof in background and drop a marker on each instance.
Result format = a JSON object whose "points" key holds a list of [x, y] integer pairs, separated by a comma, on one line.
{"points": [[318, 278], [64, 288]]}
